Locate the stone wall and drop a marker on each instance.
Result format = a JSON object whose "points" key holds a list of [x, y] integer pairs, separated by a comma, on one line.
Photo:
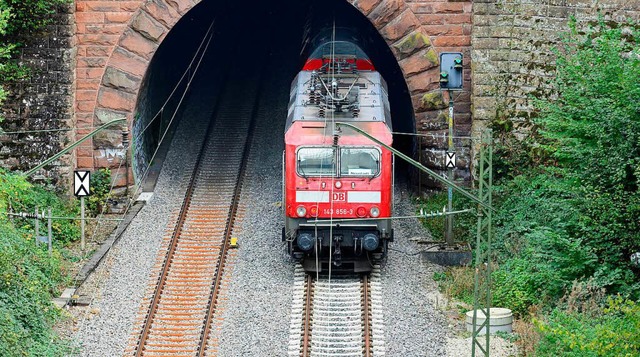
{"points": [[43, 102], [512, 60]]}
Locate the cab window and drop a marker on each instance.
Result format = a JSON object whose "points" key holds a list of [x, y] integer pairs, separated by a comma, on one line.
{"points": [[316, 161], [359, 162]]}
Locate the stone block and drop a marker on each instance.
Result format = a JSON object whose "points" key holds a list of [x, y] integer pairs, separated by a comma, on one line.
{"points": [[400, 26], [115, 99], [117, 17], [103, 116], [424, 81], [128, 62], [432, 101], [147, 26], [412, 43], [119, 79], [365, 6], [452, 41], [134, 42], [164, 14], [419, 61], [90, 17], [182, 6], [385, 12], [108, 138]]}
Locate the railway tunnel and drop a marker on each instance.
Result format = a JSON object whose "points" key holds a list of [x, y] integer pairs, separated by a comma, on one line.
{"points": [[216, 35]]}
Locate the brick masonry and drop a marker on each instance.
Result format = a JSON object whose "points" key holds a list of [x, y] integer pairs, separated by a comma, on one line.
{"points": [[505, 42], [43, 102]]}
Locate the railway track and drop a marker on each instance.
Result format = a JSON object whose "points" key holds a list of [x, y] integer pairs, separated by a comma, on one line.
{"points": [[177, 316], [337, 317]]}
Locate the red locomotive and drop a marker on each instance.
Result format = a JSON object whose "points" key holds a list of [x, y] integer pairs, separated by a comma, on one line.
{"points": [[337, 184]]}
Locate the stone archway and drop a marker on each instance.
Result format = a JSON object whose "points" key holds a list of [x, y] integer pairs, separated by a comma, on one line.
{"points": [[117, 42]]}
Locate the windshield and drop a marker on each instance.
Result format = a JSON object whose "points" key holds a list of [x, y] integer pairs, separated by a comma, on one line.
{"points": [[316, 161], [354, 161], [359, 162]]}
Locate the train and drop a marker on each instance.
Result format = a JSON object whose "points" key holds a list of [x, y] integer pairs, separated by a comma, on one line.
{"points": [[337, 184]]}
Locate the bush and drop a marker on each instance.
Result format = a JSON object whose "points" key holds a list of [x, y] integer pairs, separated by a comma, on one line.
{"points": [[29, 277], [100, 191], [612, 331]]}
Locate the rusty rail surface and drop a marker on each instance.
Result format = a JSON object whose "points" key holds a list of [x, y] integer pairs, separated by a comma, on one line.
{"points": [[184, 302]]}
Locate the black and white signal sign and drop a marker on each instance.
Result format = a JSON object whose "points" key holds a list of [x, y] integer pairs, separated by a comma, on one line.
{"points": [[81, 185], [450, 160]]}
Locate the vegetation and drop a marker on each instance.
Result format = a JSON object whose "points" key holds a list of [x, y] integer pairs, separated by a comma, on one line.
{"points": [[568, 202], [29, 277]]}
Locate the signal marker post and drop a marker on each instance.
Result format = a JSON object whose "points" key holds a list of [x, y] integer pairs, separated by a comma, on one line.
{"points": [[450, 79], [82, 188]]}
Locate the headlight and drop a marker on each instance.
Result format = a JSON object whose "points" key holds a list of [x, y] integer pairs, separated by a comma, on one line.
{"points": [[361, 211], [301, 211], [375, 212], [338, 184]]}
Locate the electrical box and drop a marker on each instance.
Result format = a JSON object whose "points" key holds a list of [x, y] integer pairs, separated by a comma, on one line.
{"points": [[451, 70]]}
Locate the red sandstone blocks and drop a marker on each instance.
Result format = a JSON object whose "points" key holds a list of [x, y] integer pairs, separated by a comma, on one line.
{"points": [[90, 17], [419, 62], [164, 14], [89, 73], [138, 44], [97, 51], [86, 95], [117, 17], [85, 162], [97, 39], [424, 81], [400, 26], [385, 12], [366, 6], [452, 41], [128, 62], [115, 99], [147, 26]]}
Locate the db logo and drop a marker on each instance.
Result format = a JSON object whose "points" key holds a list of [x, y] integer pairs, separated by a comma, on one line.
{"points": [[339, 196]]}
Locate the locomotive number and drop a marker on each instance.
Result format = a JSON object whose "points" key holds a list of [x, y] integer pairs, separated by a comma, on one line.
{"points": [[339, 211], [339, 196]]}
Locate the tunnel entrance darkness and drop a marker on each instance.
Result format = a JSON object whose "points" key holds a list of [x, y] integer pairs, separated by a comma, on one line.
{"points": [[235, 29]]}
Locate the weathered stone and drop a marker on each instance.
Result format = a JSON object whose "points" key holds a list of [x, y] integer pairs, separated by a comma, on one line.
{"points": [[164, 14], [386, 11], [136, 43], [433, 100], [115, 99], [103, 116], [147, 26], [412, 43], [419, 62], [128, 62], [120, 80], [107, 138], [400, 26]]}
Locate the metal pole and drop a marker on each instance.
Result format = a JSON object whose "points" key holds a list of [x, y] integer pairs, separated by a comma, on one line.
{"points": [[125, 144], [37, 226], [50, 234], [449, 233], [82, 241]]}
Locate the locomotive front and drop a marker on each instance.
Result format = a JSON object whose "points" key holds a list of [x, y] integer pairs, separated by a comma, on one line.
{"points": [[337, 184]]}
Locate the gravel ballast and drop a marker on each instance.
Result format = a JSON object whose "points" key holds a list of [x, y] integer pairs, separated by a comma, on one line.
{"points": [[119, 283]]}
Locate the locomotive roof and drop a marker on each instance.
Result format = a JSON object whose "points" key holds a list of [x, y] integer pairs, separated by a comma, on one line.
{"points": [[321, 133], [359, 96]]}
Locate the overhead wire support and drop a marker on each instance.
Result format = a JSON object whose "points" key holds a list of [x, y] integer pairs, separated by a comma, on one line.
{"points": [[482, 279]]}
